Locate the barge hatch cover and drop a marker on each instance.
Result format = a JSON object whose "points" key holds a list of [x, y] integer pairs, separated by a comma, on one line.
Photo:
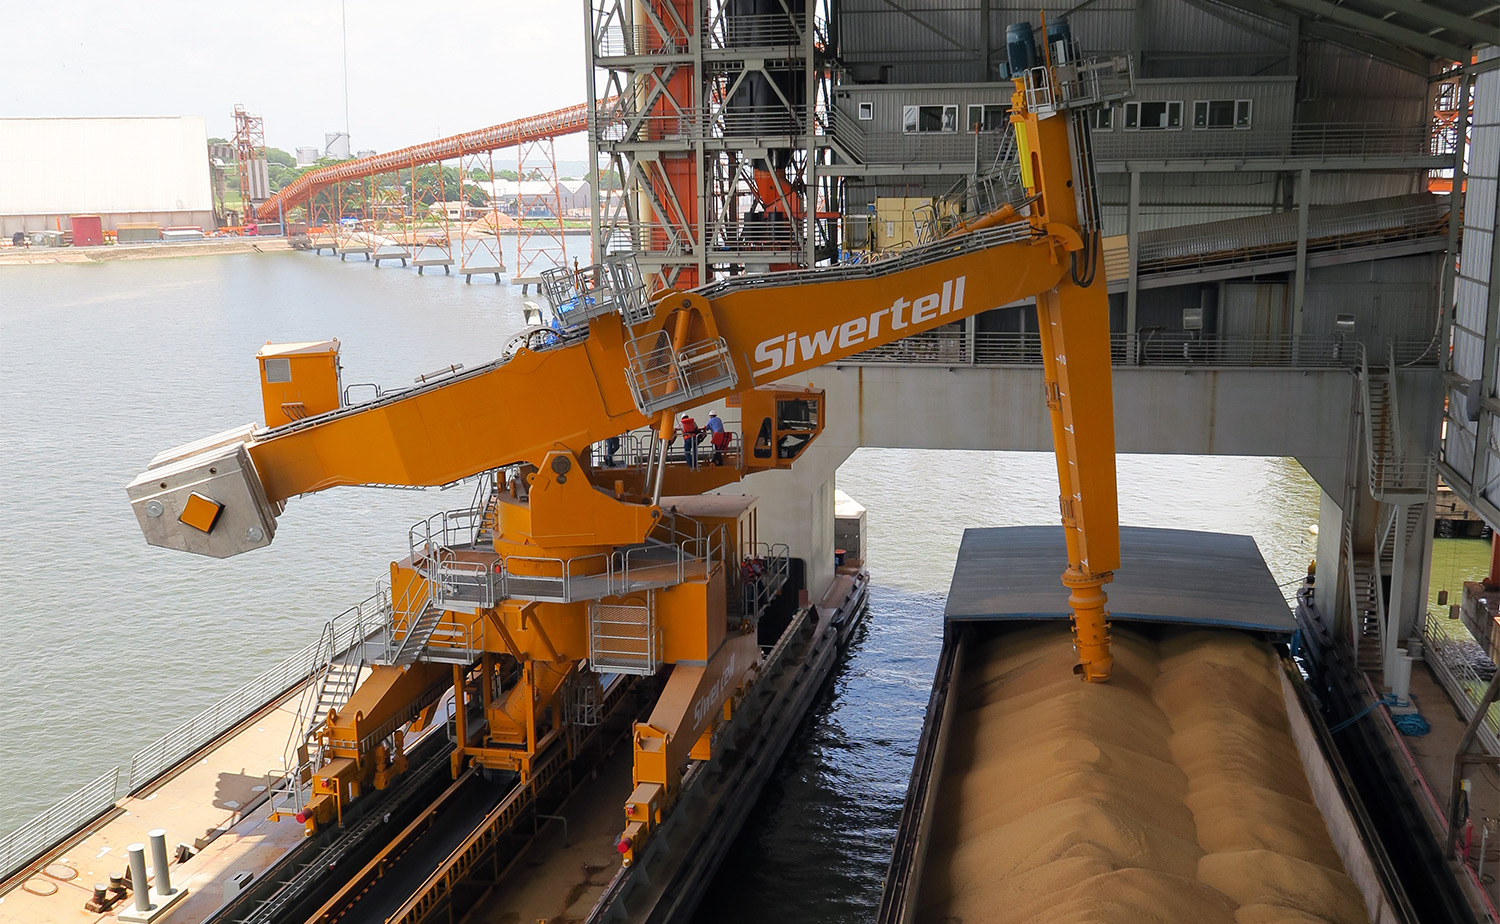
{"points": [[1166, 576]]}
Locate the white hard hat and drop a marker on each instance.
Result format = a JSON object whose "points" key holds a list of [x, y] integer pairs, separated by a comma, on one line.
{"points": [[713, 413], [686, 417]]}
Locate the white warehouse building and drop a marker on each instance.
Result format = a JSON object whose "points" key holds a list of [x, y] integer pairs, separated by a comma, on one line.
{"points": [[149, 169]]}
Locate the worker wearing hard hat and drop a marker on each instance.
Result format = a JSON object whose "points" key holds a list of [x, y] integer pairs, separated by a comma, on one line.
{"points": [[717, 438], [690, 436]]}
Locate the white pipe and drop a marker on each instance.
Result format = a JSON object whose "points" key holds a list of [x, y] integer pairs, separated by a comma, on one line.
{"points": [[1401, 677]]}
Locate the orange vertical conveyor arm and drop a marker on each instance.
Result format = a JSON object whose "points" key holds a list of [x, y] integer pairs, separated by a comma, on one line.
{"points": [[1073, 321]]}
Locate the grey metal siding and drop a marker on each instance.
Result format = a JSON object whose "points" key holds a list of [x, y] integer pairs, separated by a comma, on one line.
{"points": [[1338, 85]]}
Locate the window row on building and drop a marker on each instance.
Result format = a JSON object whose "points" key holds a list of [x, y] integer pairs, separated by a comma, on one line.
{"points": [[1166, 115], [1136, 115]]}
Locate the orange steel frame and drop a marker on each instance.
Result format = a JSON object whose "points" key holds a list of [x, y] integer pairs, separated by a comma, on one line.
{"points": [[538, 241], [249, 146]]}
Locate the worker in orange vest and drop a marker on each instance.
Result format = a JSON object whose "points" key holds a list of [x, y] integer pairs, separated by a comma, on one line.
{"points": [[690, 435]]}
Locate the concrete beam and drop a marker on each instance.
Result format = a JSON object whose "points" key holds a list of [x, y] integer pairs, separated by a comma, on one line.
{"points": [[1302, 413]]}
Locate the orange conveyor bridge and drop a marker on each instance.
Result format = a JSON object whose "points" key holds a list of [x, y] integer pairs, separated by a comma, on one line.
{"points": [[546, 126]]}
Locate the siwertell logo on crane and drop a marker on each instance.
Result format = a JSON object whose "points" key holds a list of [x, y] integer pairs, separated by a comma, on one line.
{"points": [[780, 352], [715, 695]]}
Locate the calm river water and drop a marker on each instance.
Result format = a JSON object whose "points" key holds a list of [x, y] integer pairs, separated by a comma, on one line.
{"points": [[108, 642]]}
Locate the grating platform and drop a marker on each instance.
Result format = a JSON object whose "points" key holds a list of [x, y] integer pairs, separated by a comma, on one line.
{"points": [[1165, 575]]}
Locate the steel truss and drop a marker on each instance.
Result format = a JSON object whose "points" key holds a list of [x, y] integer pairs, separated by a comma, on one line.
{"points": [[712, 113]]}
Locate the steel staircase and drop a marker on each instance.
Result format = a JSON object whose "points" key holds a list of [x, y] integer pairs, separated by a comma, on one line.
{"points": [[1381, 443], [1368, 611], [418, 634], [1394, 478], [339, 659], [1403, 490], [340, 679]]}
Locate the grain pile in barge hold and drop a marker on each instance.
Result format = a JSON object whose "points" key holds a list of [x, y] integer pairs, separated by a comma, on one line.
{"points": [[1174, 793]]}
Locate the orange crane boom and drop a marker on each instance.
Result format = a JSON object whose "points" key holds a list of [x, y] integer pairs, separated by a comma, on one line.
{"points": [[564, 556], [685, 348]]}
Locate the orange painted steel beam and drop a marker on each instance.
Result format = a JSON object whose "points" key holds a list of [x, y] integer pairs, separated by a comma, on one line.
{"points": [[568, 121]]}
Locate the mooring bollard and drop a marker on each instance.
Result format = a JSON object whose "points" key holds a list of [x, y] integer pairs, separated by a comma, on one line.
{"points": [[138, 882], [158, 840]]}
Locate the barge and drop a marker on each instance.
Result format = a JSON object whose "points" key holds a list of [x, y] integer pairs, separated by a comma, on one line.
{"points": [[1201, 784]]}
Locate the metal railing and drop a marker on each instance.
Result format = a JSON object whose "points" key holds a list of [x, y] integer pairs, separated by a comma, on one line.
{"points": [[622, 122], [648, 238], [483, 583], [763, 575], [1079, 82], [455, 641], [148, 763], [910, 258], [613, 39], [937, 347], [1320, 141], [1454, 663], [56, 822], [638, 449], [762, 30], [1391, 471], [557, 579], [900, 147], [662, 377], [614, 286], [1146, 348]]}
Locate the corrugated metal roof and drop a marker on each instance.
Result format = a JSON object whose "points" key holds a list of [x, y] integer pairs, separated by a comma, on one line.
{"points": [[60, 166], [1403, 31], [930, 40]]}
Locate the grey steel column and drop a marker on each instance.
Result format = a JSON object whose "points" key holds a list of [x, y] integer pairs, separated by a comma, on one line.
{"points": [[138, 882], [158, 838], [1398, 586], [596, 209], [1446, 307], [1132, 250], [1299, 278], [984, 41]]}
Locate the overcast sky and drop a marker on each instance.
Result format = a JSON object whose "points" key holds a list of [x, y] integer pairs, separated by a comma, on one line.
{"points": [[418, 69]]}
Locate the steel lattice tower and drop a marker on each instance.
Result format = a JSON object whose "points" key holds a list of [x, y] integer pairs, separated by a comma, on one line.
{"points": [[709, 112]]}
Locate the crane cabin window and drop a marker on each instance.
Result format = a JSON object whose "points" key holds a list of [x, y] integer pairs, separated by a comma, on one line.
{"points": [[916, 119], [1221, 113], [988, 117], [1153, 116]]}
